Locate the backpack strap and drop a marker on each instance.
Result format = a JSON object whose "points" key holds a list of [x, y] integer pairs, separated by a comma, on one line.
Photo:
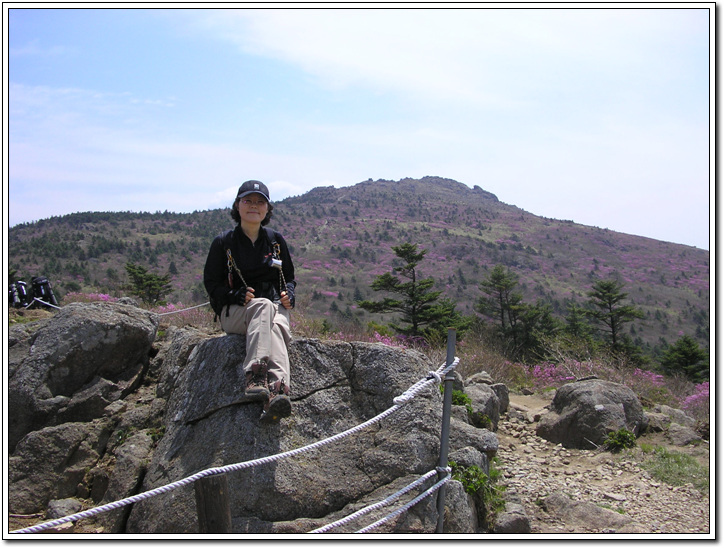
{"points": [[276, 254], [271, 236]]}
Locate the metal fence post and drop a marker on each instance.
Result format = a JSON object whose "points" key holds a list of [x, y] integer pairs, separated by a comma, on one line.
{"points": [[445, 433]]}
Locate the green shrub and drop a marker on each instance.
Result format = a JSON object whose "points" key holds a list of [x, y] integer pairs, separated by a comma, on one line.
{"points": [[621, 439], [488, 496], [460, 398], [479, 419]]}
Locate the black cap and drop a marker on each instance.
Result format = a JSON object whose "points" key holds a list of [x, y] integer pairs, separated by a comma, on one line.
{"points": [[253, 187]]}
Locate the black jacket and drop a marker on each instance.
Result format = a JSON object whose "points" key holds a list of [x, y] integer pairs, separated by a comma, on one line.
{"points": [[254, 262]]}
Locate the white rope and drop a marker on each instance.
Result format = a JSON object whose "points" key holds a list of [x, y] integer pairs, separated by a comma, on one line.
{"points": [[161, 314], [409, 393], [377, 505], [407, 506], [432, 378], [185, 309], [41, 302]]}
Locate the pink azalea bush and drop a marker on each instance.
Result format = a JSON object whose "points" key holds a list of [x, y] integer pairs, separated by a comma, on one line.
{"points": [[389, 340], [75, 297], [179, 314], [697, 404]]}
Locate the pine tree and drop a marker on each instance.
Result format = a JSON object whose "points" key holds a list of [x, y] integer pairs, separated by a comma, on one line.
{"points": [[685, 356], [502, 300], [522, 326], [607, 308], [151, 288], [422, 311]]}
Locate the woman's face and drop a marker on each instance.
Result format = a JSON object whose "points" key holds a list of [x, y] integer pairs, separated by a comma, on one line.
{"points": [[253, 208]]}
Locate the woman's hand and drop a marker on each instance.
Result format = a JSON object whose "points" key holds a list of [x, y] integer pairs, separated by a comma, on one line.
{"points": [[286, 301], [241, 296]]}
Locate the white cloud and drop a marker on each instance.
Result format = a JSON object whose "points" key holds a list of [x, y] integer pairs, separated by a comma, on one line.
{"points": [[36, 49], [494, 58]]}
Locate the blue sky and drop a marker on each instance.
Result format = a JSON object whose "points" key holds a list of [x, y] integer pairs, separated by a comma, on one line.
{"points": [[600, 116]]}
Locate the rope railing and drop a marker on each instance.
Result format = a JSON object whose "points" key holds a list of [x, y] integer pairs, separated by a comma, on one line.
{"points": [[378, 505], [41, 302], [399, 401], [184, 309], [407, 506], [160, 314]]}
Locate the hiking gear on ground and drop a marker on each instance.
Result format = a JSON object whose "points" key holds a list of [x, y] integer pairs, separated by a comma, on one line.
{"points": [[39, 293], [257, 388], [18, 295], [43, 291]]}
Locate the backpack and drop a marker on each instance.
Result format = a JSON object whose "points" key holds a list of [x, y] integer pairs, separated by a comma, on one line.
{"points": [[18, 295], [43, 291]]}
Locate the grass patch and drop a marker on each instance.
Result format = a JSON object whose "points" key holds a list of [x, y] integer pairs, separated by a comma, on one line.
{"points": [[675, 468]]}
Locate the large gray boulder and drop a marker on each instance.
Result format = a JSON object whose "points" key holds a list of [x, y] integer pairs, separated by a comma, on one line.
{"points": [[584, 413], [335, 385], [116, 422], [593, 517], [70, 367], [50, 463], [485, 406]]}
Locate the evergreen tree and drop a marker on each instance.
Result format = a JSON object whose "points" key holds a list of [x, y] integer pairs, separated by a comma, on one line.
{"points": [[151, 288], [685, 356], [522, 327], [536, 325], [502, 302], [607, 308], [575, 324], [422, 313]]}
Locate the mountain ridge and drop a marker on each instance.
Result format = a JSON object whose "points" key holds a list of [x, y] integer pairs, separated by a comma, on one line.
{"points": [[342, 237]]}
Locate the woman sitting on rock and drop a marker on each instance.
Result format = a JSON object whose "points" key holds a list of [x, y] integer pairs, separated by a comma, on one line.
{"points": [[249, 277]]}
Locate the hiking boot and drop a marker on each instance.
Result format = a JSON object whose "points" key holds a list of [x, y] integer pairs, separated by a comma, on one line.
{"points": [[279, 405], [257, 388]]}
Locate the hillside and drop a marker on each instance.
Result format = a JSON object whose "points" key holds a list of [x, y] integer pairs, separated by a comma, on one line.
{"points": [[342, 238]]}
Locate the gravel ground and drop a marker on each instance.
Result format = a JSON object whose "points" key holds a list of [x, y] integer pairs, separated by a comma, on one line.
{"points": [[534, 468]]}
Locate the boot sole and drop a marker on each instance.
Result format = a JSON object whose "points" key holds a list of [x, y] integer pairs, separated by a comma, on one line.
{"points": [[279, 408], [257, 395]]}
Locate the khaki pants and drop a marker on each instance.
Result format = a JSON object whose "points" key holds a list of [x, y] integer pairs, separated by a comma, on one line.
{"points": [[266, 326]]}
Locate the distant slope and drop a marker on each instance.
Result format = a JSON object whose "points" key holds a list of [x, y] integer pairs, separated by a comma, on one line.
{"points": [[342, 238]]}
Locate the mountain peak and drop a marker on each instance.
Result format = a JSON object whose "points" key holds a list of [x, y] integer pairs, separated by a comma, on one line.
{"points": [[429, 184]]}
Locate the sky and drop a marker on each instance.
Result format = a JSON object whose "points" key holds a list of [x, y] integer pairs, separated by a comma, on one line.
{"points": [[596, 115]]}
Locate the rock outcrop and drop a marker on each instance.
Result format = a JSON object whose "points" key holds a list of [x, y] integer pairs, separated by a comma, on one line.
{"points": [[583, 413], [335, 386], [70, 367], [102, 413]]}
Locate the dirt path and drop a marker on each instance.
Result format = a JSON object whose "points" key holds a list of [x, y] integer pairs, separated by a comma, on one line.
{"points": [[534, 468]]}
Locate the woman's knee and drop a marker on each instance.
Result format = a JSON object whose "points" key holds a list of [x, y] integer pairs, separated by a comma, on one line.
{"points": [[261, 304]]}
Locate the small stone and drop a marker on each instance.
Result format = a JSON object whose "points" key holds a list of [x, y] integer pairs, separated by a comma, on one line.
{"points": [[67, 527]]}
